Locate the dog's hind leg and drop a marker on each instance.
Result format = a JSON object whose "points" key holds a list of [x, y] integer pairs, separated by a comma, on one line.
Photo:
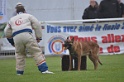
{"points": [[99, 61], [97, 52], [95, 62]]}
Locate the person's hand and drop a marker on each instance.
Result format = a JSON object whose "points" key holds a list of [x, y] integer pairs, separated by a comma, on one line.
{"points": [[38, 40]]}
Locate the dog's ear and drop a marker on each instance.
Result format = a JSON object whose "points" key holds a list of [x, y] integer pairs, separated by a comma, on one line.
{"points": [[72, 39], [67, 37]]}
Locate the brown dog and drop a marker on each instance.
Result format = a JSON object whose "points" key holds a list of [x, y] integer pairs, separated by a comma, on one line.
{"points": [[84, 48]]}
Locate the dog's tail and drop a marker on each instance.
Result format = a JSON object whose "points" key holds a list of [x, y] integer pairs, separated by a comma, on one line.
{"points": [[98, 52], [99, 61]]}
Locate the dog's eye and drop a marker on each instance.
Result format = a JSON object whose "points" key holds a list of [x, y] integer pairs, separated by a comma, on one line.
{"points": [[70, 45], [65, 42], [64, 45]]}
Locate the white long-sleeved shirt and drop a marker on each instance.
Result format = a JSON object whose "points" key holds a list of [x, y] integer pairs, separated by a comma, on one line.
{"points": [[23, 21]]}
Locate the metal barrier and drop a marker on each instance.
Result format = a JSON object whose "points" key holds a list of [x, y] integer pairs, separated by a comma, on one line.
{"points": [[7, 52]]}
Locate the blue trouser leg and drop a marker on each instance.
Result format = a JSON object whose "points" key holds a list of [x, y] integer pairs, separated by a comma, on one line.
{"points": [[43, 67], [19, 72]]}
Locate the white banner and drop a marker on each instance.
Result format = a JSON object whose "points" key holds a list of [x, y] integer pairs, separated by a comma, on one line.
{"points": [[3, 14], [109, 36]]}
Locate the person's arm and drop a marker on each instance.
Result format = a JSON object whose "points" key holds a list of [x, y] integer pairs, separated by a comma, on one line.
{"points": [[122, 10], [100, 10], [85, 15], [118, 9], [37, 27], [8, 34], [8, 31]]}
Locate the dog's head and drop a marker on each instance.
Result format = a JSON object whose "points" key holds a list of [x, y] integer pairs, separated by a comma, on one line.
{"points": [[68, 43]]}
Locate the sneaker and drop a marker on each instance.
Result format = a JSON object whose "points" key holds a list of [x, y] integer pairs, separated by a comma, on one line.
{"points": [[47, 72], [19, 74]]}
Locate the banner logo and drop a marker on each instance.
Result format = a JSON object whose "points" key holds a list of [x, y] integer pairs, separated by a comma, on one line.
{"points": [[1, 15], [55, 45]]}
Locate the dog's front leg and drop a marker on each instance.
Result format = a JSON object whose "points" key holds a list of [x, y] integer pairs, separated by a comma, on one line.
{"points": [[79, 62], [70, 62]]}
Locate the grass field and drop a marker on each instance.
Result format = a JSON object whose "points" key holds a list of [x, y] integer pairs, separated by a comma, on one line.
{"points": [[112, 70]]}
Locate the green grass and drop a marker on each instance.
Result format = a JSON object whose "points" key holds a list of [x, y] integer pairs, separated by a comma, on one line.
{"points": [[112, 70]]}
